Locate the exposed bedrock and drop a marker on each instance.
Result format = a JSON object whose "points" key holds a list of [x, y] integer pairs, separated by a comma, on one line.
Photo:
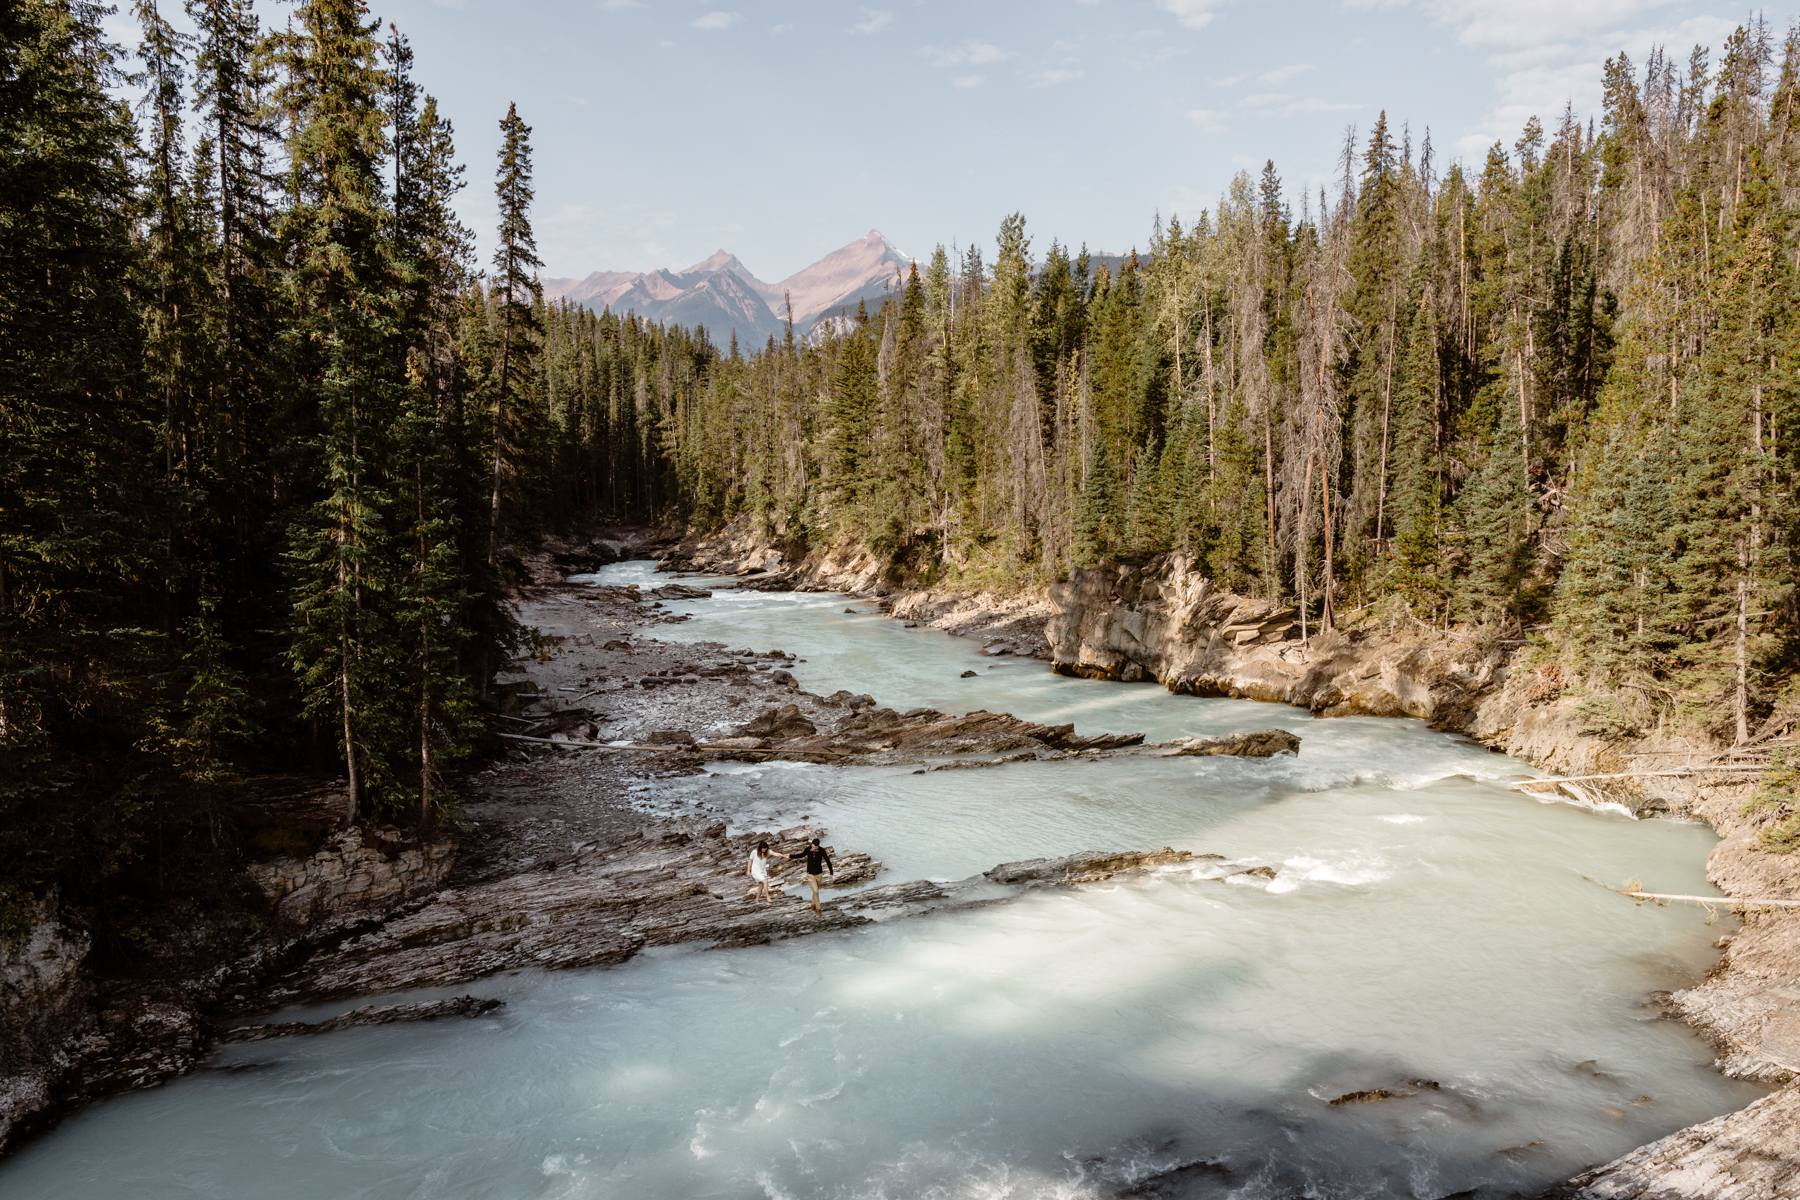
{"points": [[371, 1014], [882, 735], [46, 1000], [1751, 1154], [1168, 623], [70, 1033], [604, 905]]}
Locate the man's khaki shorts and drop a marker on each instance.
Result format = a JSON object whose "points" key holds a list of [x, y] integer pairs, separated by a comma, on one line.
{"points": [[816, 882]]}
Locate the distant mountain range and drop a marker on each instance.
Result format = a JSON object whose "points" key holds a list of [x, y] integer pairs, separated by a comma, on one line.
{"points": [[721, 295]]}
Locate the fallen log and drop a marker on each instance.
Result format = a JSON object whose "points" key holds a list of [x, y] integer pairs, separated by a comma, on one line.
{"points": [[661, 748], [1521, 784], [1716, 901]]}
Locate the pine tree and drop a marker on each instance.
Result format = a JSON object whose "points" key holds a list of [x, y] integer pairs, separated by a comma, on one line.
{"points": [[517, 297], [346, 647], [1491, 522], [172, 282], [78, 476], [849, 411], [1416, 499], [1099, 518]]}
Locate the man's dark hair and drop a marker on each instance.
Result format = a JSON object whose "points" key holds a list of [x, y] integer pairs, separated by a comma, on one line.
{"points": [[815, 841]]}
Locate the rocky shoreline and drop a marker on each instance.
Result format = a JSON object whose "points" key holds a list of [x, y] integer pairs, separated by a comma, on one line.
{"points": [[554, 864], [1165, 623]]}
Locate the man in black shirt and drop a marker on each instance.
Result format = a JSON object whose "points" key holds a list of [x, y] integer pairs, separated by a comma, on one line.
{"points": [[818, 861]]}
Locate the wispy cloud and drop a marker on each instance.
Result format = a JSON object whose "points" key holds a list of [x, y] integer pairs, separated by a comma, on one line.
{"points": [[619, 5], [715, 20], [1207, 120], [1318, 104], [1285, 102], [1548, 53], [1274, 77], [1055, 76], [967, 54], [966, 82], [1145, 47], [1191, 14], [874, 21], [1504, 23]]}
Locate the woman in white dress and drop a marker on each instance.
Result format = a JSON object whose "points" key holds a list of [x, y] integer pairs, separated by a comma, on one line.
{"points": [[761, 862]]}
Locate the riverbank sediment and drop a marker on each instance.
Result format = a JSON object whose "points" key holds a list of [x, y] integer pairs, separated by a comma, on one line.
{"points": [[1166, 623]]}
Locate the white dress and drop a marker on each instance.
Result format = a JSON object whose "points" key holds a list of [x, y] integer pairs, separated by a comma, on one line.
{"points": [[759, 867]]}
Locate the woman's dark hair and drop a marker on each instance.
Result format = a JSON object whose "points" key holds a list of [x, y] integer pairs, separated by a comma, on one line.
{"points": [[762, 845]]}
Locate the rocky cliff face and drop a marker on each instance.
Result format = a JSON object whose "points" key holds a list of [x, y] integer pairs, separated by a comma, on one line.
{"points": [[1166, 622], [45, 998], [70, 1033], [1169, 623], [355, 873]]}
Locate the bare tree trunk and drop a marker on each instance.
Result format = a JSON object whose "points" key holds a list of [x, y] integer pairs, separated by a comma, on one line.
{"points": [[351, 579], [1327, 616], [1387, 409], [1740, 700], [499, 410], [1269, 498], [1212, 436], [1300, 545], [424, 660], [353, 780]]}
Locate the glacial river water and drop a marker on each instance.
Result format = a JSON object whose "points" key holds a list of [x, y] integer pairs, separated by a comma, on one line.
{"points": [[1426, 924]]}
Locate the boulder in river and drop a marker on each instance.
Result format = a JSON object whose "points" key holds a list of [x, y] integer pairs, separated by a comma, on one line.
{"points": [[784, 722], [1400, 1091], [1089, 866], [1263, 743], [679, 591]]}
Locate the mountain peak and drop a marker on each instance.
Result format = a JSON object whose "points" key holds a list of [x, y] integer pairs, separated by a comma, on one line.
{"points": [[720, 260], [720, 294]]}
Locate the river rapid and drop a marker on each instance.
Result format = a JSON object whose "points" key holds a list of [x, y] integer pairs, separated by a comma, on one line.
{"points": [[1428, 932]]}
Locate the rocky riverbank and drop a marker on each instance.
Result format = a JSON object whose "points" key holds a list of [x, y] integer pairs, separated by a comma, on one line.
{"points": [[1166, 623], [561, 864], [554, 862], [75, 1027]]}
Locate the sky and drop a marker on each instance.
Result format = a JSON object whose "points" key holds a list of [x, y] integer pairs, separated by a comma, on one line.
{"points": [[780, 129]]}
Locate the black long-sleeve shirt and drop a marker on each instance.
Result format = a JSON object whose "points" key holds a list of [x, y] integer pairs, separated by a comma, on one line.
{"points": [[818, 860]]}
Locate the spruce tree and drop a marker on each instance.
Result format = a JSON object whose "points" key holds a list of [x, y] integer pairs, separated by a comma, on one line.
{"points": [[343, 289], [1415, 503], [1098, 518], [517, 297], [79, 472]]}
